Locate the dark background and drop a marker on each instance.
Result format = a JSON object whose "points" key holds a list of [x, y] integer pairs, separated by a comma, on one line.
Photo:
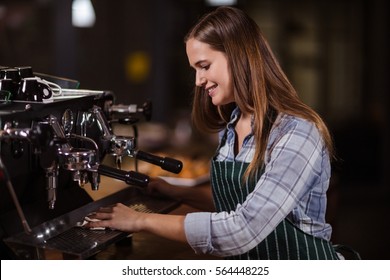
{"points": [[334, 51]]}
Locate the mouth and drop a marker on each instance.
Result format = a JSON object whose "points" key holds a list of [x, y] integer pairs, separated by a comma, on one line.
{"points": [[211, 90]]}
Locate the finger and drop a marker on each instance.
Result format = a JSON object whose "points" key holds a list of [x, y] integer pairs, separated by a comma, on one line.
{"points": [[97, 225], [103, 215], [94, 226]]}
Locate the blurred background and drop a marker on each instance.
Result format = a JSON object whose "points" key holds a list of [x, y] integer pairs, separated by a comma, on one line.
{"points": [[336, 53]]}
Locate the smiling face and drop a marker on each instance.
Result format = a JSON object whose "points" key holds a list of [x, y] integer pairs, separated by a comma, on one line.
{"points": [[212, 71]]}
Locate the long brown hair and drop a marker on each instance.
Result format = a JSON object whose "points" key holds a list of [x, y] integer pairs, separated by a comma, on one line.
{"points": [[260, 87]]}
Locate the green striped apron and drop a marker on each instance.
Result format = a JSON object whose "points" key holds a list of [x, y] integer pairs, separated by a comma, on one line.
{"points": [[287, 241]]}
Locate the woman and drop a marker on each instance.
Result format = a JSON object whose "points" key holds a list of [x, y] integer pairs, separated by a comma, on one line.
{"points": [[271, 171]]}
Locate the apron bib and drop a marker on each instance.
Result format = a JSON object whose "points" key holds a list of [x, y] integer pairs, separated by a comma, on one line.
{"points": [[286, 241]]}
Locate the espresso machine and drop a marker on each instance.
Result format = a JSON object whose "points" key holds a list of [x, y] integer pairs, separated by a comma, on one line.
{"points": [[52, 146]]}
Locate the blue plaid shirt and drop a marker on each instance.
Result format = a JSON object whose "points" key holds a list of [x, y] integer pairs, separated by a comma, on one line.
{"points": [[294, 185]]}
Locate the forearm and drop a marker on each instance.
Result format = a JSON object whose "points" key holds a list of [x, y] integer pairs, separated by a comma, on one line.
{"points": [[167, 226]]}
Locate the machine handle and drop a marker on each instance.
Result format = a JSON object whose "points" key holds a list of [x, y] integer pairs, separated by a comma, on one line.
{"points": [[166, 163], [129, 177]]}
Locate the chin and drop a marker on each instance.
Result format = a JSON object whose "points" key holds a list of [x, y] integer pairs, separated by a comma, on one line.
{"points": [[221, 102], [216, 103]]}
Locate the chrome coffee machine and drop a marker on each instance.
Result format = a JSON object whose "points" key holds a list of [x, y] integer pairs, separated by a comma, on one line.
{"points": [[53, 139]]}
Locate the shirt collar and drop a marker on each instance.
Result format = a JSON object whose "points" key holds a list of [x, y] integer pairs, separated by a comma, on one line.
{"points": [[236, 113]]}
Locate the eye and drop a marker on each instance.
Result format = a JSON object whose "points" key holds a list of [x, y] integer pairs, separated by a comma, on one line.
{"points": [[205, 67]]}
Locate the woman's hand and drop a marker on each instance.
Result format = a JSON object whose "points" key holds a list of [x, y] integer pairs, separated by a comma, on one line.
{"points": [[119, 217], [123, 218]]}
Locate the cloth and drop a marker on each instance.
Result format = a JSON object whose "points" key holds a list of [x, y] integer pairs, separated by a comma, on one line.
{"points": [[86, 221], [294, 183]]}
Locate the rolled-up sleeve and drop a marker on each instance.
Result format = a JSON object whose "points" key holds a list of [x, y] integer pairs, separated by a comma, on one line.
{"points": [[197, 230]]}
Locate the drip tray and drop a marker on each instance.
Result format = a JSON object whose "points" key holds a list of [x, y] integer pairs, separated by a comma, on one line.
{"points": [[83, 242], [62, 234]]}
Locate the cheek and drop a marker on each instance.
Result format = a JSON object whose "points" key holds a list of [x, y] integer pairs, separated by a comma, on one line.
{"points": [[228, 80], [230, 89], [228, 75]]}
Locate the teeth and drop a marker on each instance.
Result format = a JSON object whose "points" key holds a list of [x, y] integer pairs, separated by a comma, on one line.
{"points": [[211, 89]]}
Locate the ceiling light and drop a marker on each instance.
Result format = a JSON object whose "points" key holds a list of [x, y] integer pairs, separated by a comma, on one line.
{"points": [[83, 14]]}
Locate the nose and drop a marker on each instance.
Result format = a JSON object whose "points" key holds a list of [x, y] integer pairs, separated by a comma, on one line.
{"points": [[200, 80]]}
